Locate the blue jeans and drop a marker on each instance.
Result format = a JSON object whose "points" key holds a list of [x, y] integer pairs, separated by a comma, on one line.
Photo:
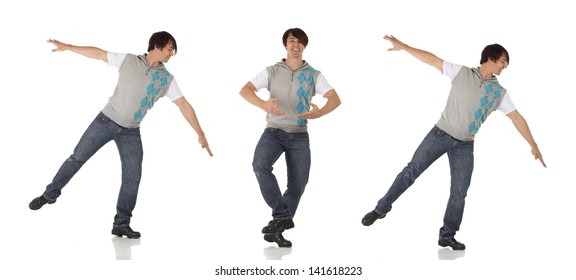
{"points": [[296, 149], [101, 131], [461, 160]]}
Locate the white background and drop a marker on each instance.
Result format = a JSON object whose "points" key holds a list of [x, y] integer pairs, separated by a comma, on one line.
{"points": [[198, 213]]}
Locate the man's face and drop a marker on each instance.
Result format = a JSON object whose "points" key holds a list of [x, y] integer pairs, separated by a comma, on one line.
{"points": [[294, 47], [166, 52], [499, 64]]}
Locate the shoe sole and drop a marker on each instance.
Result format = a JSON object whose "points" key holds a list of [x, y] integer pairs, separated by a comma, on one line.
{"points": [[269, 239], [121, 235], [456, 249]]}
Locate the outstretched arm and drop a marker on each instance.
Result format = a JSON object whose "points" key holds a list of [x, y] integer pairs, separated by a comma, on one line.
{"points": [[424, 56], [332, 103], [248, 91], [190, 116], [91, 52], [522, 127]]}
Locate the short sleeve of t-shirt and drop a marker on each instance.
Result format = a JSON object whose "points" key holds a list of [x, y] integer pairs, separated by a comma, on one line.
{"points": [[116, 59], [322, 85], [451, 69], [261, 81], [173, 92], [506, 105]]}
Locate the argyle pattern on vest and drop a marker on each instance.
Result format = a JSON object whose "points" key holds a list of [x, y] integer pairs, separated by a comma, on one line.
{"points": [[304, 92], [493, 93], [153, 90]]}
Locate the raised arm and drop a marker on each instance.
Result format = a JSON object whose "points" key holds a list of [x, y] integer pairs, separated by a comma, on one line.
{"points": [[522, 127], [190, 115], [424, 56], [91, 52]]}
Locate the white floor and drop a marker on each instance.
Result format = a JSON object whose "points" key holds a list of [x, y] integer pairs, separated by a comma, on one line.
{"points": [[198, 214], [191, 229]]}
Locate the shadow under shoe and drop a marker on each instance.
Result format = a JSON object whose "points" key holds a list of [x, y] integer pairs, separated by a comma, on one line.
{"points": [[125, 231], [38, 202], [276, 226], [451, 242], [371, 217], [279, 239]]}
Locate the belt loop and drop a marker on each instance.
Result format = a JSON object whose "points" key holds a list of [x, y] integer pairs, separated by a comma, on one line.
{"points": [[103, 118], [439, 131]]}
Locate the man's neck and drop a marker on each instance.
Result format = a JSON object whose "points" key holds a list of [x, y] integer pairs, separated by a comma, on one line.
{"points": [[484, 72], [152, 61], [294, 63]]}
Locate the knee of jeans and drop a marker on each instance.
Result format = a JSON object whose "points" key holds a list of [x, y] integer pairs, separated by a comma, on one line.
{"points": [[260, 168], [76, 158], [458, 195], [131, 180], [410, 174], [408, 171], [301, 190]]}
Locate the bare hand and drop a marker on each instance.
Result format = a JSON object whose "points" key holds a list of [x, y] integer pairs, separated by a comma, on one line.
{"points": [[537, 155], [396, 44], [270, 107], [314, 113], [204, 143], [59, 45]]}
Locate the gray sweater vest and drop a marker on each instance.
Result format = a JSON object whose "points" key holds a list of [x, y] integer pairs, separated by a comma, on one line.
{"points": [[138, 87], [471, 100]]}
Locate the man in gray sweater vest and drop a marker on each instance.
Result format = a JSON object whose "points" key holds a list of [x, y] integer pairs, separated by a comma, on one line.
{"points": [[291, 83], [142, 80], [475, 93]]}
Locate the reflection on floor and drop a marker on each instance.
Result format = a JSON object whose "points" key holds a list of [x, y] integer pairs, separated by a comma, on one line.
{"points": [[449, 254], [276, 253], [123, 247]]}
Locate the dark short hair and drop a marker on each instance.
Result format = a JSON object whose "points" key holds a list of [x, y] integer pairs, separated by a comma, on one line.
{"points": [[160, 40], [296, 32], [494, 52]]}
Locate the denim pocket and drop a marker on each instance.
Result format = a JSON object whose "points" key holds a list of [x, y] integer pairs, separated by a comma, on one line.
{"points": [[439, 132], [103, 118], [271, 130]]}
